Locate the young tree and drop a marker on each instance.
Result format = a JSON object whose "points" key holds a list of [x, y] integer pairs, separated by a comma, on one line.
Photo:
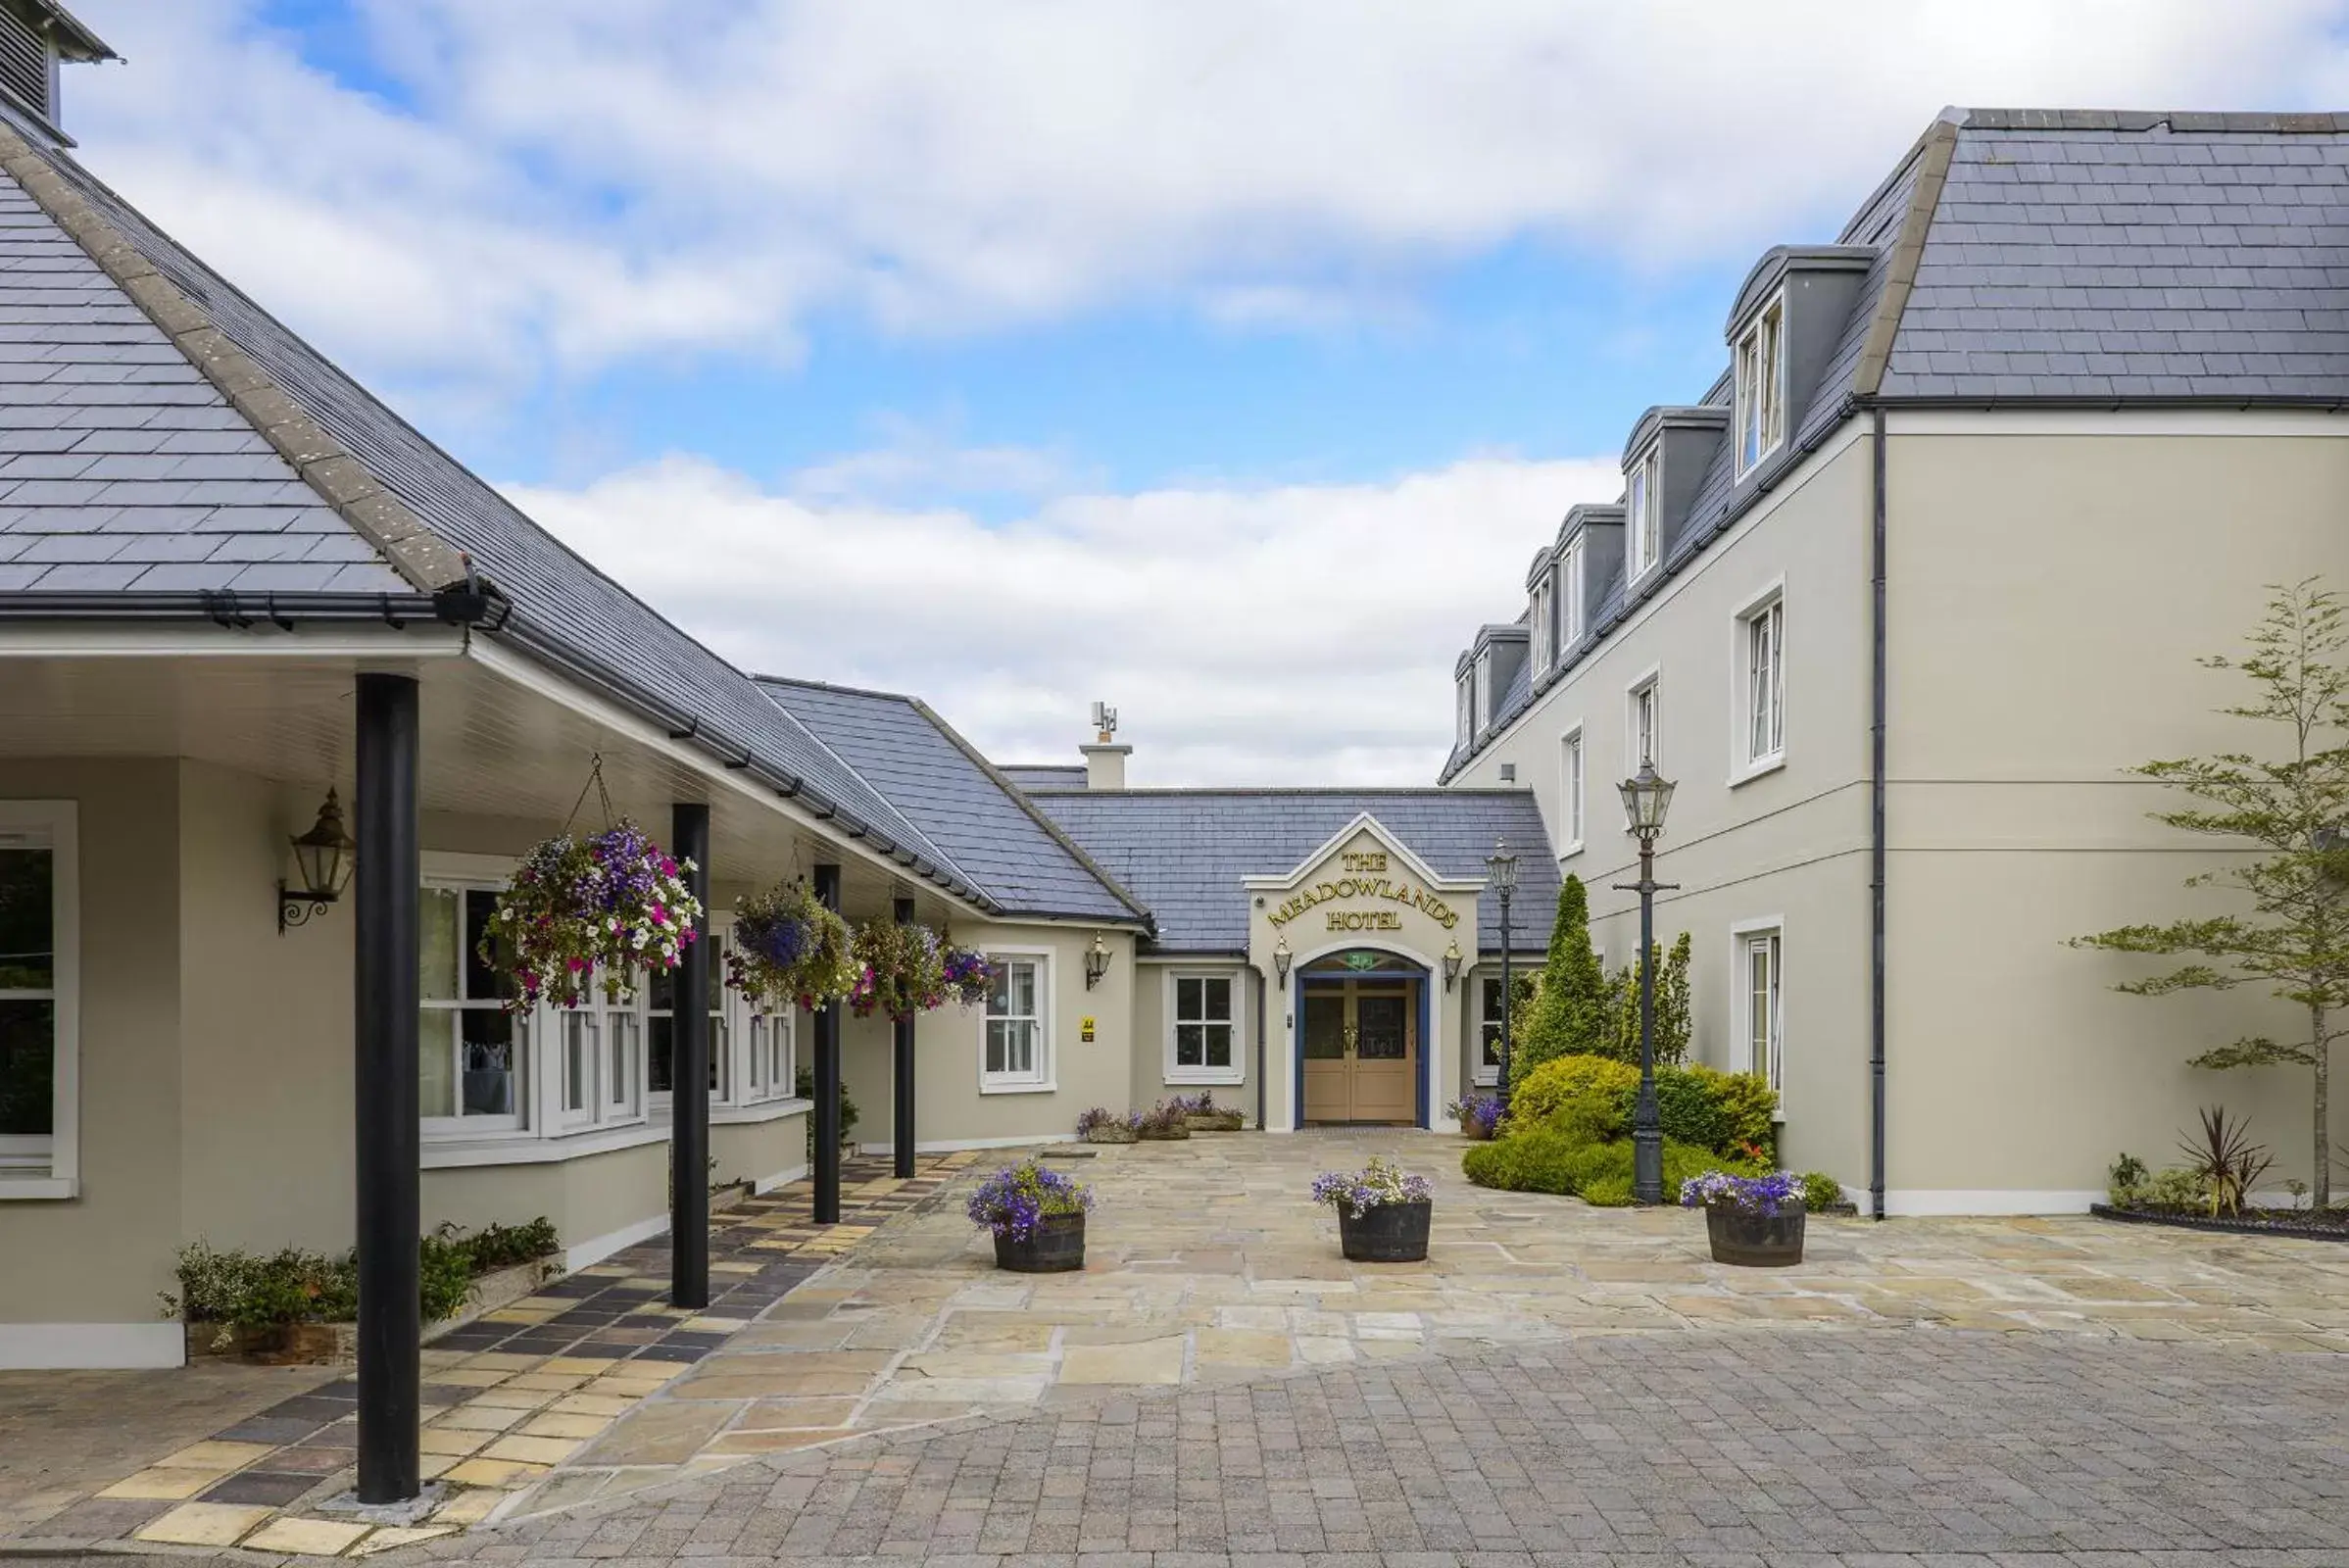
{"points": [[2286, 821], [1675, 1013], [1569, 1012]]}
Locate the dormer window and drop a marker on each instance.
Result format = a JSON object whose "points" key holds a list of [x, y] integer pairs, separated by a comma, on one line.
{"points": [[1644, 507], [1483, 691], [1761, 411], [1542, 627], [1467, 711], [1570, 596]]}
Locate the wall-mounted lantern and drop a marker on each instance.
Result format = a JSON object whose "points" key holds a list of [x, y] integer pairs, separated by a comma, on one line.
{"points": [[323, 861], [1281, 959], [1096, 962], [1451, 965]]}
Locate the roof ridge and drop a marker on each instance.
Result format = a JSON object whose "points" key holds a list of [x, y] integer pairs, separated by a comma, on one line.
{"points": [[1036, 813], [340, 479], [2284, 123], [833, 686]]}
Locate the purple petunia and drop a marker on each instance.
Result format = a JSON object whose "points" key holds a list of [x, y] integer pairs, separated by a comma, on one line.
{"points": [[1016, 1199], [1778, 1193]]}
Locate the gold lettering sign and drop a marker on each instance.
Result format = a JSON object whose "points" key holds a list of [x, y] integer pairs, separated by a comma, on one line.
{"points": [[1350, 888], [1367, 861]]}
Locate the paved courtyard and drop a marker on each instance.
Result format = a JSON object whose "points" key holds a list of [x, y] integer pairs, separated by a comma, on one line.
{"points": [[907, 1357]]}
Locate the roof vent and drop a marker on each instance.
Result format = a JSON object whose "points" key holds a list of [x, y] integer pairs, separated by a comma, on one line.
{"points": [[27, 66]]}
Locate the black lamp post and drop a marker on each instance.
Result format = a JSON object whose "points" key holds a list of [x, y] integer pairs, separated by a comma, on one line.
{"points": [[1646, 796], [1502, 866]]}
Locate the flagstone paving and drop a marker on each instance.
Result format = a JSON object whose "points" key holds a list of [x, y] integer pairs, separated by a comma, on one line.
{"points": [[215, 1455], [1207, 1269]]}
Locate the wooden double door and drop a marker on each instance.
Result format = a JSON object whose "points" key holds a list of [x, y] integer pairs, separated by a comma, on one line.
{"points": [[1361, 1047]]}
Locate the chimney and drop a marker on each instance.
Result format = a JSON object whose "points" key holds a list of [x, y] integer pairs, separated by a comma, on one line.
{"points": [[1105, 758]]}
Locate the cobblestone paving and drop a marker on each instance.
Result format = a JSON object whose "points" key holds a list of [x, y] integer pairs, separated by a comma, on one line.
{"points": [[1919, 1446]]}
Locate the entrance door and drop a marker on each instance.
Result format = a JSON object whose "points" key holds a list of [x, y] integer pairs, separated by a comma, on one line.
{"points": [[1361, 1052]]}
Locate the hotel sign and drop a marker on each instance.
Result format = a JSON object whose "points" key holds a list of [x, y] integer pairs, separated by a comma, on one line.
{"points": [[1360, 889]]}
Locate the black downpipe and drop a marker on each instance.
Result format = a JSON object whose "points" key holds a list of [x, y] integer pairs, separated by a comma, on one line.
{"points": [[384, 984], [1876, 827], [1263, 993], [827, 1077], [901, 1084], [689, 1075]]}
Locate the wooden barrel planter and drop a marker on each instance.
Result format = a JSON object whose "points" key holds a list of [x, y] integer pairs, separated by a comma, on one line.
{"points": [[1754, 1240], [1055, 1246], [1388, 1233]]}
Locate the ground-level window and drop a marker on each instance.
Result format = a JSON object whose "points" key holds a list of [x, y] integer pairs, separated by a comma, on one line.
{"points": [[38, 990], [1015, 1055], [660, 1027], [1570, 792], [1487, 1031], [1204, 1045], [1758, 979], [769, 1061], [469, 1058]]}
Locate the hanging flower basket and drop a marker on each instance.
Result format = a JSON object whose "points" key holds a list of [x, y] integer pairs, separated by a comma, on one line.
{"points": [[589, 914], [969, 977], [900, 971], [789, 950]]}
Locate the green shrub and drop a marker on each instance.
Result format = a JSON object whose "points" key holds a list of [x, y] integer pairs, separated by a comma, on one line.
{"points": [[496, 1247], [1820, 1191], [1542, 1160], [2177, 1188], [803, 1086], [1608, 1192], [2125, 1182], [445, 1274], [1541, 1094]]}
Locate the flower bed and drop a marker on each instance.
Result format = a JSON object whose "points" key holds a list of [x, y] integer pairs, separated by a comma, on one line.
{"points": [[2308, 1224]]}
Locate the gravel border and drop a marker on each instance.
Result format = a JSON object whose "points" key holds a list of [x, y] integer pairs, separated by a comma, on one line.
{"points": [[2232, 1227]]}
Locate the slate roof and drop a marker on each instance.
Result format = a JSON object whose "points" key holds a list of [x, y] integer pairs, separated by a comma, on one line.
{"points": [[1043, 775], [2056, 257], [1184, 851], [1014, 851], [122, 467], [417, 521]]}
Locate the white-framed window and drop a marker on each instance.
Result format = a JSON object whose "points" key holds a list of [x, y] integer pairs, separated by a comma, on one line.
{"points": [[1488, 1030], [1542, 626], [40, 997], [1644, 723], [1467, 726], [1761, 395], [661, 1030], [1016, 1035], [1762, 689], [1202, 1027], [1760, 1016], [471, 1053], [1484, 692], [1570, 792], [1570, 596], [1643, 518], [770, 1055]]}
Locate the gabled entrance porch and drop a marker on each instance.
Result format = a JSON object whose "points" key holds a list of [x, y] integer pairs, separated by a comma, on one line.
{"points": [[1362, 1039]]}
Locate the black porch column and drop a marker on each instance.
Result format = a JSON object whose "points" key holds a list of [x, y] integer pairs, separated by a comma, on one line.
{"points": [[827, 1077], [689, 1078], [901, 1120], [384, 981]]}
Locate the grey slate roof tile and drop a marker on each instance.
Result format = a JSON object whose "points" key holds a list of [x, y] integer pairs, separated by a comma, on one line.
{"points": [[1184, 851], [895, 745]]}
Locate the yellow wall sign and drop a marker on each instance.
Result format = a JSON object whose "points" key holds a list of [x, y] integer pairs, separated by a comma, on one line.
{"points": [[1373, 888], [1085, 1031]]}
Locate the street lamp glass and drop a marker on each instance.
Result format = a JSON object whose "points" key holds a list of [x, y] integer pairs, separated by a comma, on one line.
{"points": [[1503, 867], [1646, 796]]}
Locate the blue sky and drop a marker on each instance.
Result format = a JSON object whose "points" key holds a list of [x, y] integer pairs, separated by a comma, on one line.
{"points": [[1023, 354]]}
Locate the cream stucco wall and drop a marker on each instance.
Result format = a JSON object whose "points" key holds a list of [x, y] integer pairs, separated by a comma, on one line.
{"points": [[1155, 1078], [2052, 582], [951, 1109], [1790, 843], [101, 1258]]}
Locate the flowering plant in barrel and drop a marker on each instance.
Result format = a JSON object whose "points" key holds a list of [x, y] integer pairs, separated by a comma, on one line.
{"points": [[787, 948], [969, 977], [900, 971], [1382, 1213], [1037, 1215], [1752, 1220], [585, 914]]}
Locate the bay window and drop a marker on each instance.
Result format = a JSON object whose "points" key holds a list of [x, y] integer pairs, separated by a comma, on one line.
{"points": [[470, 1055]]}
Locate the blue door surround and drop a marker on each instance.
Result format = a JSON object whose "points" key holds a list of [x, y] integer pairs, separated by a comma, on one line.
{"points": [[1422, 979]]}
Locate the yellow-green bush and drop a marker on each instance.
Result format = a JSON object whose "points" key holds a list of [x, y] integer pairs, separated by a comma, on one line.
{"points": [[1544, 1160], [1540, 1095]]}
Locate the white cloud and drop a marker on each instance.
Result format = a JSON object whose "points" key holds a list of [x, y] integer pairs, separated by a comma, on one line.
{"points": [[1295, 634], [589, 179]]}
